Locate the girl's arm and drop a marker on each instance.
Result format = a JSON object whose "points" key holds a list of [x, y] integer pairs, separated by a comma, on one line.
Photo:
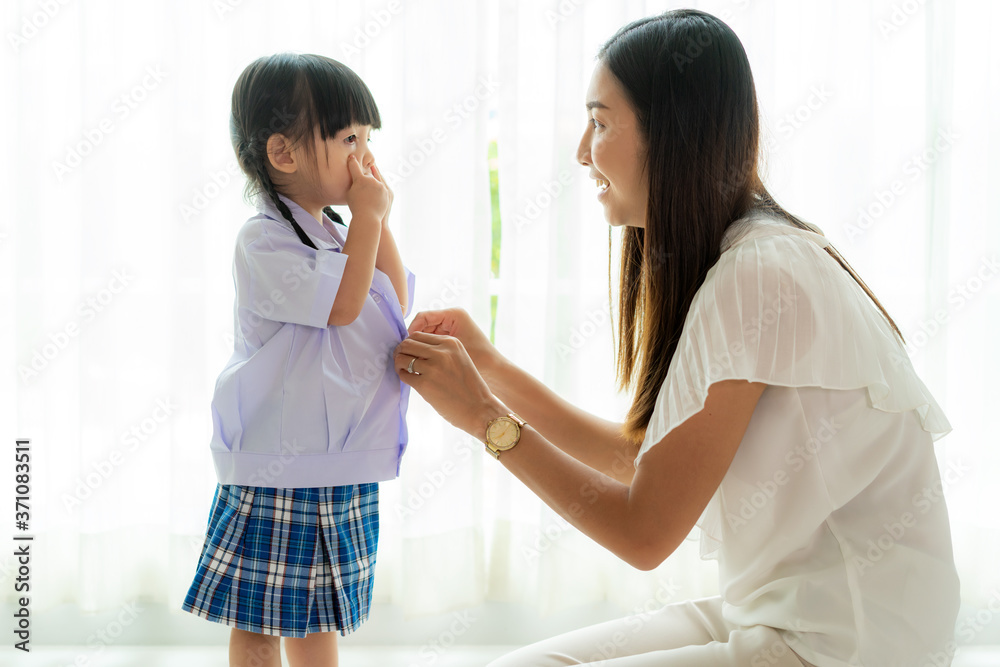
{"points": [[368, 199], [388, 260], [587, 438], [390, 263]]}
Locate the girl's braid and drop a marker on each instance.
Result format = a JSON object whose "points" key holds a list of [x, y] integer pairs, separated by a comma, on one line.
{"points": [[247, 155]]}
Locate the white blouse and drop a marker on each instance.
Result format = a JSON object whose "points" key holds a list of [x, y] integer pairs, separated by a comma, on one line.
{"points": [[830, 524]]}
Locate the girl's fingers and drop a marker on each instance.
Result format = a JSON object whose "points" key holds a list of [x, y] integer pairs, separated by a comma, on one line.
{"points": [[354, 167]]}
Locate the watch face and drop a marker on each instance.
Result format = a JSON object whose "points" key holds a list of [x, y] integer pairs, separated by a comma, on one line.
{"points": [[503, 433]]}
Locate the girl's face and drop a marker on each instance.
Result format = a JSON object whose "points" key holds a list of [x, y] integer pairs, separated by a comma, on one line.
{"points": [[612, 147], [331, 177]]}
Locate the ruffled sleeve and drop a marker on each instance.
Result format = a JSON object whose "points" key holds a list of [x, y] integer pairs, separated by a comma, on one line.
{"points": [[778, 309]]}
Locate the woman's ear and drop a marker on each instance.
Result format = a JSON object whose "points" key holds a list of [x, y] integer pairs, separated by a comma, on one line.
{"points": [[280, 154]]}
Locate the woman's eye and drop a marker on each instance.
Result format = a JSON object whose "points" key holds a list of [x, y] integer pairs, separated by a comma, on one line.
{"points": [[594, 123]]}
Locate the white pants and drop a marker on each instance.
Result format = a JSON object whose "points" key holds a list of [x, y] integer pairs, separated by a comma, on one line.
{"points": [[686, 634]]}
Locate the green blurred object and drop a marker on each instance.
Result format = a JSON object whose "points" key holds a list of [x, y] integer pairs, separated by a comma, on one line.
{"points": [[495, 253]]}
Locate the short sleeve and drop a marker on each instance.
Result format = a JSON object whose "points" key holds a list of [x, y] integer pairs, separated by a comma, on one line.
{"points": [[778, 309], [410, 285], [287, 281]]}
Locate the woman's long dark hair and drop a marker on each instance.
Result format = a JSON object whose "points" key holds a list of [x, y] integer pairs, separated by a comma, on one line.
{"points": [[293, 94], [688, 80]]}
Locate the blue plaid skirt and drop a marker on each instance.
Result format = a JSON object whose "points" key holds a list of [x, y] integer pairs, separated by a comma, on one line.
{"points": [[288, 562]]}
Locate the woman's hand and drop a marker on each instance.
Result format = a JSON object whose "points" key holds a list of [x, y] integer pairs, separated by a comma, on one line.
{"points": [[444, 375], [368, 196], [457, 323]]}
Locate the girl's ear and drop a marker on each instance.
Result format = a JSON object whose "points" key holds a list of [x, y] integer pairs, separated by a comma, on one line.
{"points": [[280, 154]]}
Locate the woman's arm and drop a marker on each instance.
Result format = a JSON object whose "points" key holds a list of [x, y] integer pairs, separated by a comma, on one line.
{"points": [[642, 523], [587, 438], [597, 442]]}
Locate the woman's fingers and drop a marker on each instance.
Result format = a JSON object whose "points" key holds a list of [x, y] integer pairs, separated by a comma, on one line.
{"points": [[434, 321], [429, 349], [426, 320], [416, 347], [430, 339]]}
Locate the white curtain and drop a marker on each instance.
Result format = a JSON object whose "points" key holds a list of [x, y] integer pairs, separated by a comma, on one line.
{"points": [[122, 201]]}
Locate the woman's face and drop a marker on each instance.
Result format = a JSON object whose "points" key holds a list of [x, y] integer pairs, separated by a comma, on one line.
{"points": [[612, 147]]}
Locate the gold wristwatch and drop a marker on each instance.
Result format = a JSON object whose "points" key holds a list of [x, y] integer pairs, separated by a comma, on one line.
{"points": [[503, 433]]}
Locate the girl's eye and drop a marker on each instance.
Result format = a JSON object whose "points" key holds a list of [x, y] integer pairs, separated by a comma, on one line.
{"points": [[351, 138]]}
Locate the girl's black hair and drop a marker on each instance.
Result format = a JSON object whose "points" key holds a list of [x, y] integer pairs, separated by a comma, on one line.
{"points": [[292, 94]]}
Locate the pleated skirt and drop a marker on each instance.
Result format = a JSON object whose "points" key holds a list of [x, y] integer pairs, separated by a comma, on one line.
{"points": [[288, 562]]}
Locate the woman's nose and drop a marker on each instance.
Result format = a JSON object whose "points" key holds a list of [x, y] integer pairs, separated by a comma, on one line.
{"points": [[583, 150]]}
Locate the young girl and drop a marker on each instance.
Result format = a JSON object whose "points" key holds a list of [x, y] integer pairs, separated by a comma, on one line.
{"points": [[309, 413]]}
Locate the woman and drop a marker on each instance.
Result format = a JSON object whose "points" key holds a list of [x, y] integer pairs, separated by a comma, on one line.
{"points": [[774, 404]]}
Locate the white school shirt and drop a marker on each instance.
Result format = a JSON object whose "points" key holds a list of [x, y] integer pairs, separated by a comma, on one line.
{"points": [[830, 524], [301, 403]]}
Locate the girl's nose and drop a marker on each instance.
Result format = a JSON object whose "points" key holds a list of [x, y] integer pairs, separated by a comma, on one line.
{"points": [[367, 160]]}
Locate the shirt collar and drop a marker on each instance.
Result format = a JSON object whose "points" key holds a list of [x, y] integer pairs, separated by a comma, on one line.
{"points": [[759, 223], [309, 224]]}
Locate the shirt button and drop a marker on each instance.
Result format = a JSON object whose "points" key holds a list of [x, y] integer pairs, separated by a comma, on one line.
{"points": [[377, 298]]}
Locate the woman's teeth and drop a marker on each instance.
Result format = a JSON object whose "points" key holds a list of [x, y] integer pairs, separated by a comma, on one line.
{"points": [[602, 185]]}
